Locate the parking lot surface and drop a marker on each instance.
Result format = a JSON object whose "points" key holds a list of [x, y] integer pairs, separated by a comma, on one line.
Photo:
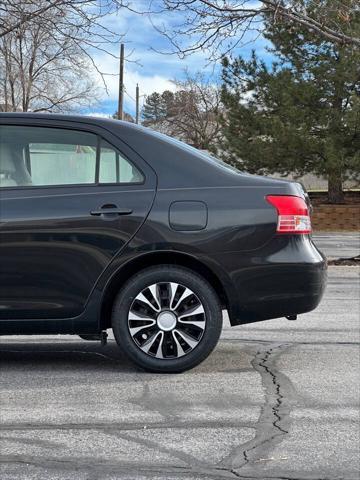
{"points": [[338, 244], [276, 400]]}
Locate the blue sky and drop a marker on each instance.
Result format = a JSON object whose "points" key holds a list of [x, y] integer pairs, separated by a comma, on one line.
{"points": [[151, 70]]}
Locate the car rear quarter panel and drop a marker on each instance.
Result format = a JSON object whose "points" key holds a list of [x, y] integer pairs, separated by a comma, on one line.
{"points": [[263, 274]]}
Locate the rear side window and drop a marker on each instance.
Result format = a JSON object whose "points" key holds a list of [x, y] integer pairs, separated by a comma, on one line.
{"points": [[114, 168], [36, 156]]}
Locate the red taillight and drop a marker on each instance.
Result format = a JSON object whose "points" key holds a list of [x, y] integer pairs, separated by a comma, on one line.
{"points": [[293, 214]]}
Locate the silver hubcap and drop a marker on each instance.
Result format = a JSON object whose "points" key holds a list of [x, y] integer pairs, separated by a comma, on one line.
{"points": [[166, 320]]}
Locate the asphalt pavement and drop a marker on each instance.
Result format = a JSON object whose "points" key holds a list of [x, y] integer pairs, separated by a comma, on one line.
{"points": [[276, 400], [338, 244]]}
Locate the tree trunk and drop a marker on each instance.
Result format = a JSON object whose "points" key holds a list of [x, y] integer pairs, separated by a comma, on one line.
{"points": [[335, 189]]}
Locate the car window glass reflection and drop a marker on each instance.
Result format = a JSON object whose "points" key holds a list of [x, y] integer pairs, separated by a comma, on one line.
{"points": [[62, 164], [114, 168], [36, 156]]}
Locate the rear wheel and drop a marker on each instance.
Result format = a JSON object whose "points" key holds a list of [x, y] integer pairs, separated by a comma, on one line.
{"points": [[167, 319]]}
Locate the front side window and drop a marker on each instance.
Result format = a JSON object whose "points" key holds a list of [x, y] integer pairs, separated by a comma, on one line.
{"points": [[36, 156], [63, 162]]}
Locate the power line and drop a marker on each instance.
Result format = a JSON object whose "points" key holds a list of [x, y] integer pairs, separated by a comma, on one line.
{"points": [[130, 96]]}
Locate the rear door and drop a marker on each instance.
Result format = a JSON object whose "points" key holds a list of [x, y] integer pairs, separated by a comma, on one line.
{"points": [[70, 199]]}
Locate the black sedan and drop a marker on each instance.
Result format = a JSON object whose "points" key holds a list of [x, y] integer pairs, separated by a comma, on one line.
{"points": [[104, 224]]}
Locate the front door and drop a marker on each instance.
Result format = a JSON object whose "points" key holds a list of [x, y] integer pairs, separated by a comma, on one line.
{"points": [[70, 199]]}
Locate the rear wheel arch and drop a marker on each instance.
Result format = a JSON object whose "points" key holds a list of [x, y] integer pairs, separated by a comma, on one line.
{"points": [[150, 260]]}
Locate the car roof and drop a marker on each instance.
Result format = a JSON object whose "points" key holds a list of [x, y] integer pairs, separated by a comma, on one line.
{"points": [[68, 117]]}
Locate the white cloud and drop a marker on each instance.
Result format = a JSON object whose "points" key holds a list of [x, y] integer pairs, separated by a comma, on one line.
{"points": [[148, 82], [151, 70]]}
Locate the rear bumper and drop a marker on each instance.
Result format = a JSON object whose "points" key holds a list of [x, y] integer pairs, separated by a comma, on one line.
{"points": [[286, 277]]}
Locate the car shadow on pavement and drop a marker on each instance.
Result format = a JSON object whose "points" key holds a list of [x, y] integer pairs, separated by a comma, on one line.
{"points": [[82, 356], [60, 356]]}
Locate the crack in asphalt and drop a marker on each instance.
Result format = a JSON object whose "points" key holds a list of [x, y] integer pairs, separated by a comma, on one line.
{"points": [[271, 428], [279, 399], [274, 421]]}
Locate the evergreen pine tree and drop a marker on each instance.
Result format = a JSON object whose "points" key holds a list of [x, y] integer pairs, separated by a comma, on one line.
{"points": [[157, 107], [302, 113]]}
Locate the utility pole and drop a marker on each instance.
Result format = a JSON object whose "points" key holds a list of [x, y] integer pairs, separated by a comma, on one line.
{"points": [[121, 84], [137, 104]]}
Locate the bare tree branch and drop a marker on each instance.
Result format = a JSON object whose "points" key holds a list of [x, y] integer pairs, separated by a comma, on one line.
{"points": [[43, 68], [218, 26], [189, 114], [86, 14], [82, 22]]}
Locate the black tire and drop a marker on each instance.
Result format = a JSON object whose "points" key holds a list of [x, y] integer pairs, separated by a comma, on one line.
{"points": [[202, 292]]}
